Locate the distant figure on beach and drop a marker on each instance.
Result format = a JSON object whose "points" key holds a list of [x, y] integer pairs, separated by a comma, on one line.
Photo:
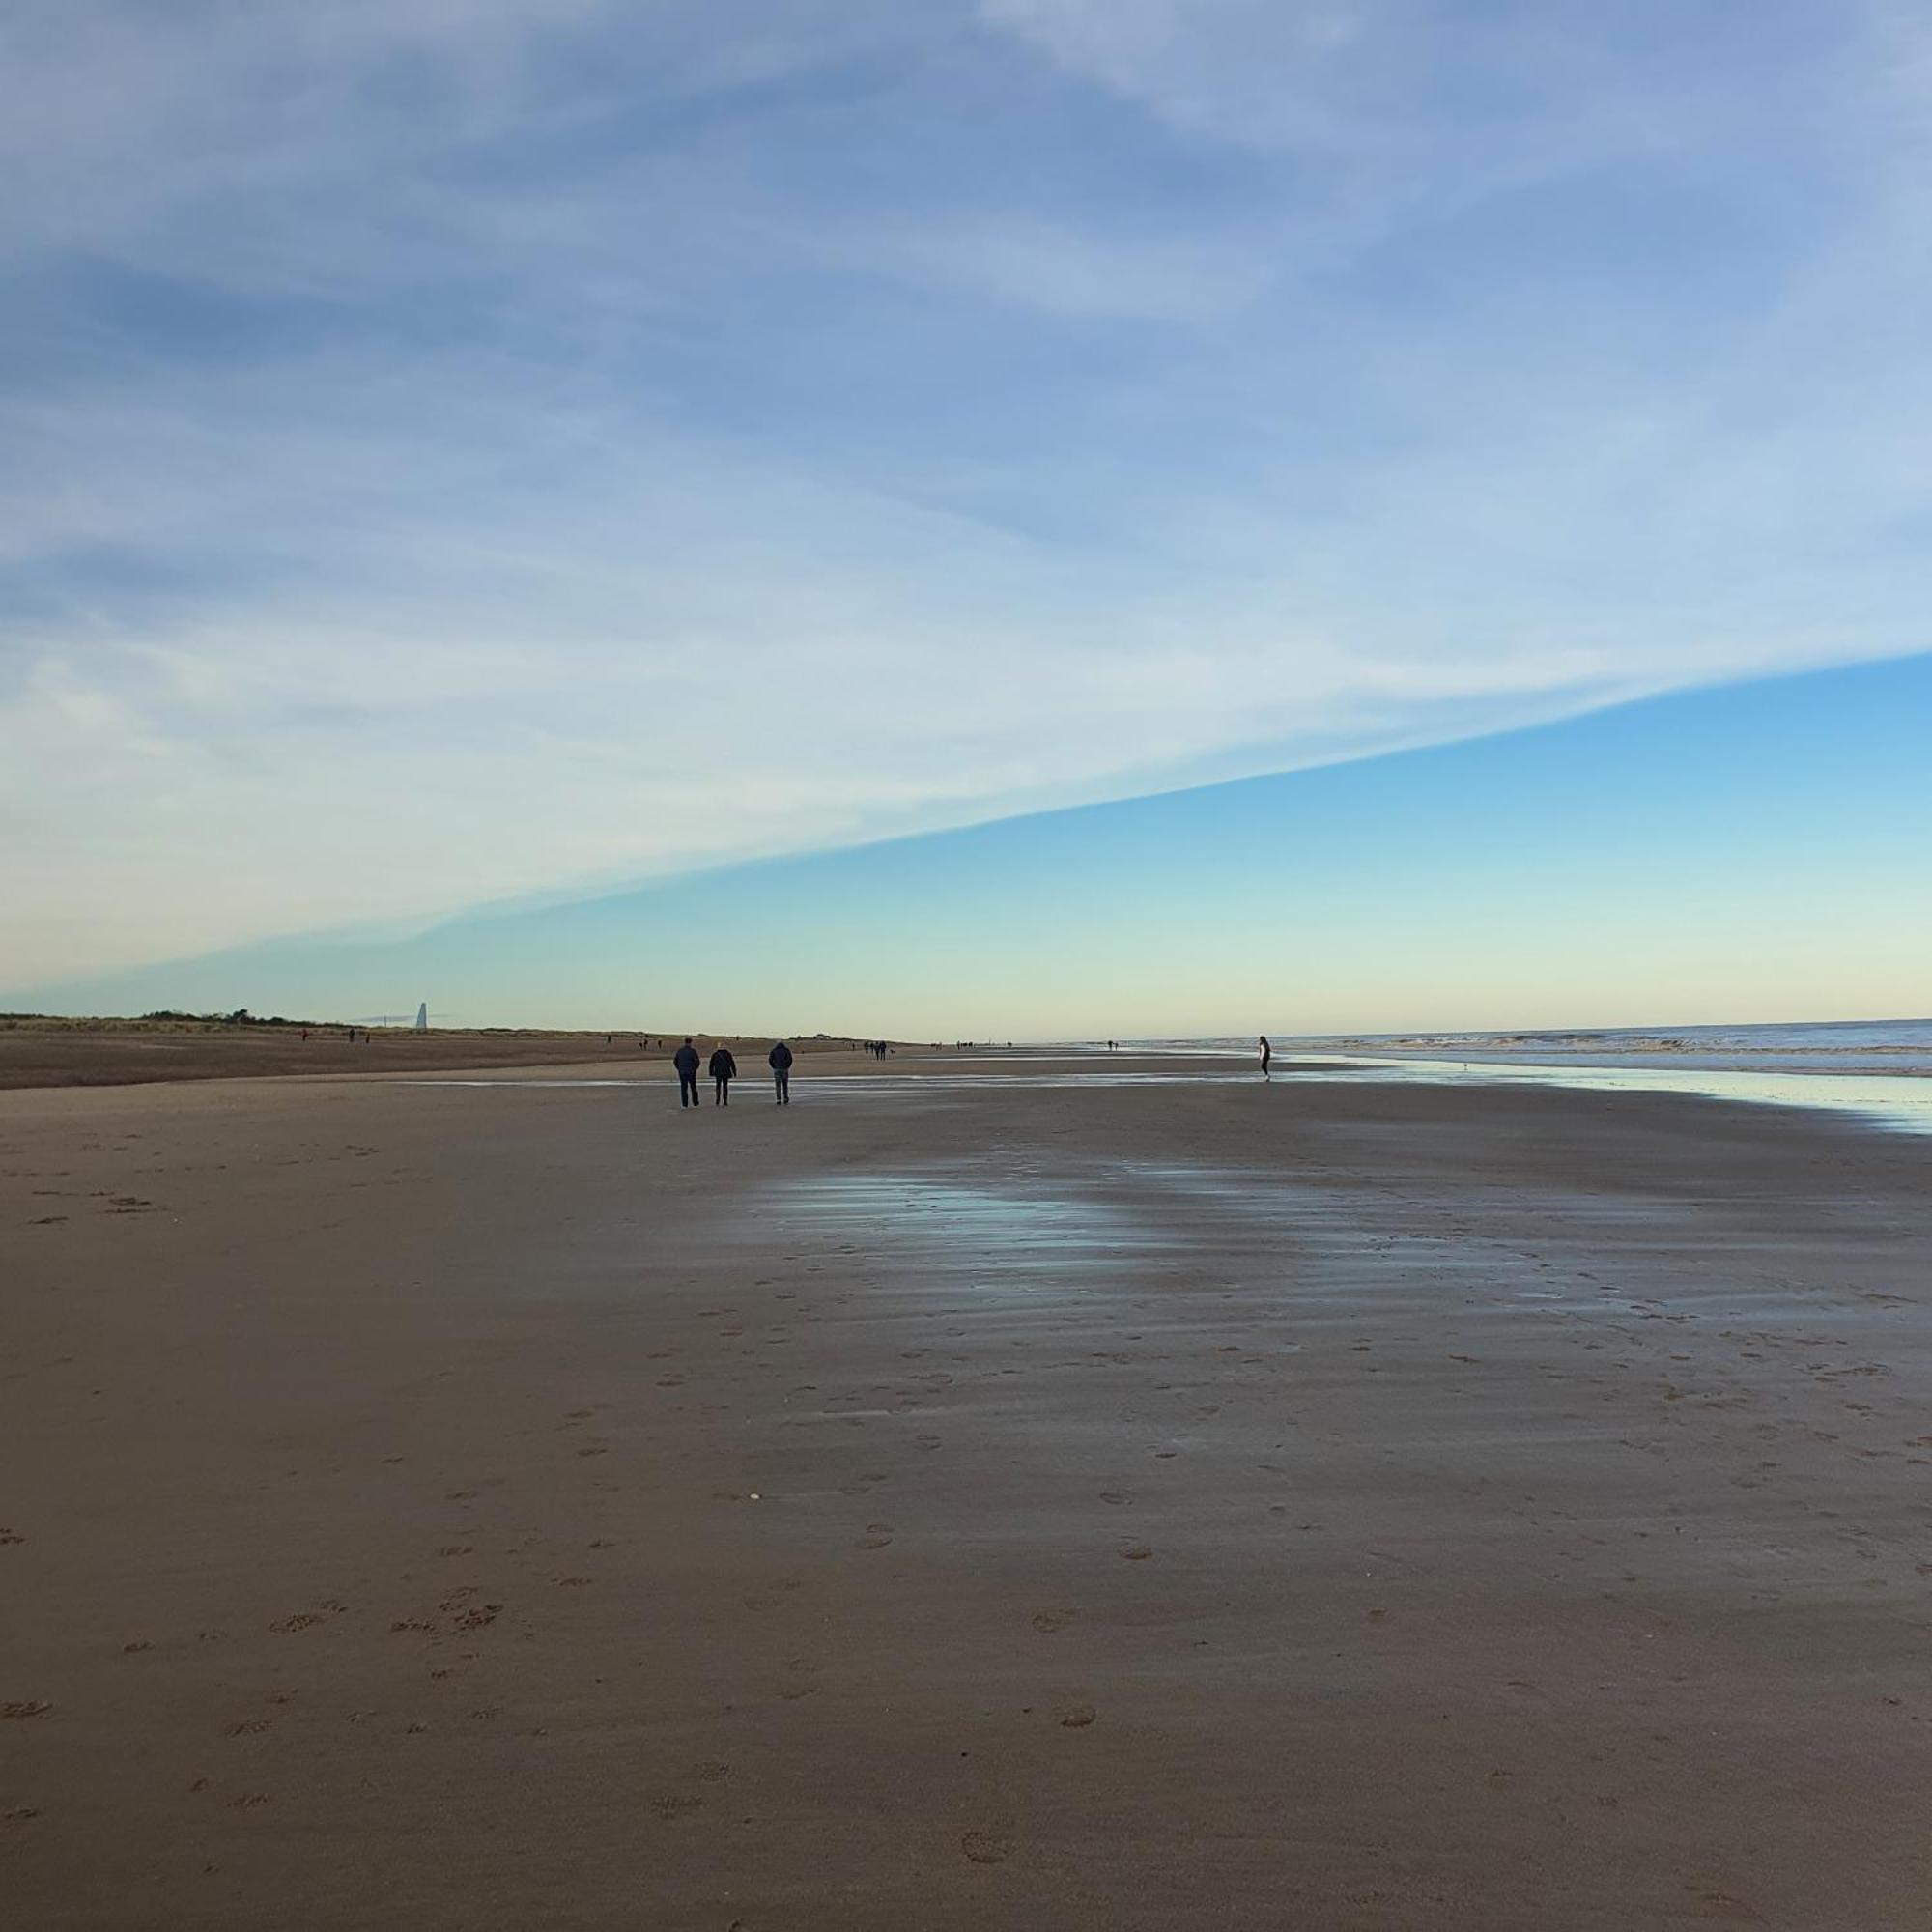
{"points": [[780, 1058], [724, 1070], [1268, 1055], [685, 1060]]}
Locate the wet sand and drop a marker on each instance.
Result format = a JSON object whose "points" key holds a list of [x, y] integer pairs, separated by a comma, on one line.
{"points": [[956, 1503]]}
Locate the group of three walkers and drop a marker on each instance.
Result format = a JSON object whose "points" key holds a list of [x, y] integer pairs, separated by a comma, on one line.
{"points": [[724, 1069]]}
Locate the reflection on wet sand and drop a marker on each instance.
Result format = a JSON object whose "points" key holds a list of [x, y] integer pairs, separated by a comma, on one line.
{"points": [[959, 1223]]}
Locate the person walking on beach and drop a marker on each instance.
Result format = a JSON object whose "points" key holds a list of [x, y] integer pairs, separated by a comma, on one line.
{"points": [[1267, 1053], [780, 1058], [724, 1070], [685, 1060]]}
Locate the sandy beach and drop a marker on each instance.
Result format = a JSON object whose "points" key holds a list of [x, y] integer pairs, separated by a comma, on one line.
{"points": [[1013, 1494], [39, 1051]]}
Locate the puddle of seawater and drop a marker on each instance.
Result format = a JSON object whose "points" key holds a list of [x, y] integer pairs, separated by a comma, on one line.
{"points": [[1897, 1101]]}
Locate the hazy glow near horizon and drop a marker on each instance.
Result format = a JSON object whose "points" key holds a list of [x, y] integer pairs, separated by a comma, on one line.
{"points": [[458, 448]]}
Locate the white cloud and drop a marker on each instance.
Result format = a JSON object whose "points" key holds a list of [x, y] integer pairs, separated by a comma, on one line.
{"points": [[469, 447]]}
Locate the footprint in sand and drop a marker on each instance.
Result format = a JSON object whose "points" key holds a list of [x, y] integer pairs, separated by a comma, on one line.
{"points": [[1114, 1497], [29, 1707], [1046, 1622], [990, 1847], [1074, 1716], [876, 1537], [1136, 1552], [1714, 1904]]}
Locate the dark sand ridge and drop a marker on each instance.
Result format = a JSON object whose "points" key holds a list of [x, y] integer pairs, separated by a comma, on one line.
{"points": [[1338, 1504]]}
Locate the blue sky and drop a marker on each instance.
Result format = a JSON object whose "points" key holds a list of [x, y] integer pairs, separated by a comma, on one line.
{"points": [[1749, 853], [452, 450]]}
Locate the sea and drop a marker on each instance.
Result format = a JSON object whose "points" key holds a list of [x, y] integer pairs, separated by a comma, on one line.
{"points": [[1902, 1047], [1820, 1046], [1879, 1068]]}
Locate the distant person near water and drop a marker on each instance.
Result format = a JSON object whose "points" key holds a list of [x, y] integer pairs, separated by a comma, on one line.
{"points": [[1268, 1055], [724, 1070], [685, 1060], [780, 1058]]}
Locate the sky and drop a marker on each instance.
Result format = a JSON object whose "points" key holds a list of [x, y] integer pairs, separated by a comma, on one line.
{"points": [[458, 454], [1751, 852]]}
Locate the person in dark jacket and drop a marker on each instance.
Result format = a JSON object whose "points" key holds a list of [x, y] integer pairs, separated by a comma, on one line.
{"points": [[1268, 1055], [781, 1060], [724, 1070], [685, 1060]]}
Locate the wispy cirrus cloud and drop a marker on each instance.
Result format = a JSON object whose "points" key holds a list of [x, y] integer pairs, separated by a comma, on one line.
{"points": [[457, 448]]}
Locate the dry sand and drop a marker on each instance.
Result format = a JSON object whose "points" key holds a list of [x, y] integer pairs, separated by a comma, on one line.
{"points": [[954, 1504]]}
